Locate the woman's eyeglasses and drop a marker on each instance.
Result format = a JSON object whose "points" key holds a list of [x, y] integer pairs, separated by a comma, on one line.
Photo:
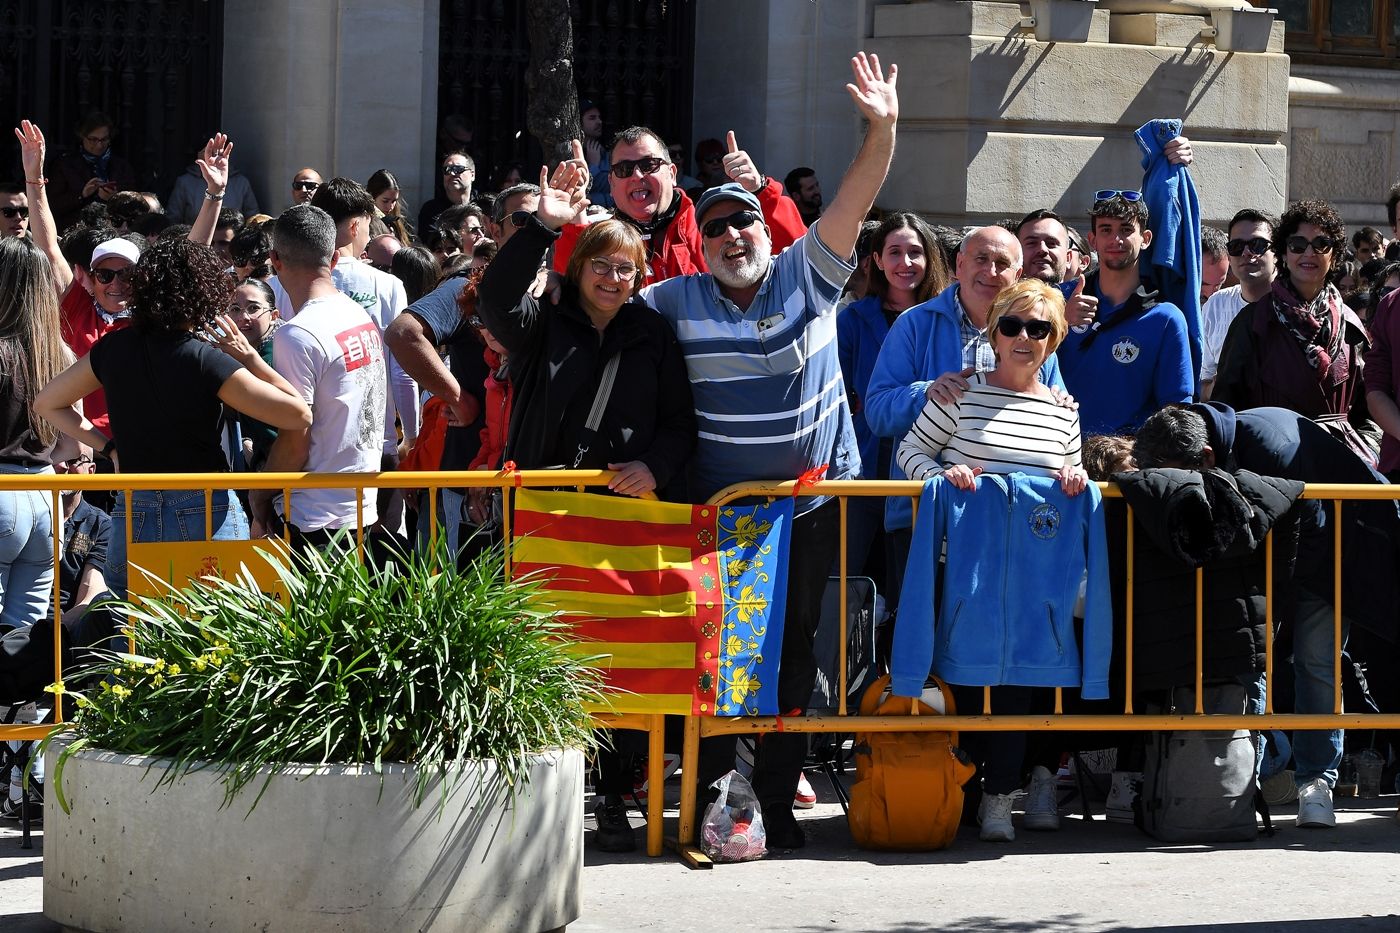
{"points": [[249, 310], [623, 270], [1299, 245], [1009, 326], [108, 276]]}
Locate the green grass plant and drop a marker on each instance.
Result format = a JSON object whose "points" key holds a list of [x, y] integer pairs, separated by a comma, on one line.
{"points": [[418, 664]]}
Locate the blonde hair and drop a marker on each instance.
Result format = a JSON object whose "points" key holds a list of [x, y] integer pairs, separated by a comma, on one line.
{"points": [[1024, 297], [31, 341]]}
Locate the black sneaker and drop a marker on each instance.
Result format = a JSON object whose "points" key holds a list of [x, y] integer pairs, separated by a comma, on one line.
{"points": [[614, 831], [11, 812], [782, 829]]}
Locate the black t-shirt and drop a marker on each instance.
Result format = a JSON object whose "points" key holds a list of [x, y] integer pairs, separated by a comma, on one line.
{"points": [[19, 442], [163, 396], [86, 536]]}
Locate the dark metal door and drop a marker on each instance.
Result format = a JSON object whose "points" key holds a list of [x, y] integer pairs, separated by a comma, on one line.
{"points": [[634, 58], [155, 66]]}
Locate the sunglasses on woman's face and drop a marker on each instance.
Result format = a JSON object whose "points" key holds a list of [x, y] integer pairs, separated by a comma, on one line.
{"points": [[108, 276], [1009, 326], [1299, 245]]}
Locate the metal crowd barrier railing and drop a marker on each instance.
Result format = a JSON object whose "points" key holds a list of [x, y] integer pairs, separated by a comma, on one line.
{"points": [[697, 727]]}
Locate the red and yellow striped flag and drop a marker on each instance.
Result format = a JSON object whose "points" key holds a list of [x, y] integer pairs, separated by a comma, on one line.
{"points": [[679, 599]]}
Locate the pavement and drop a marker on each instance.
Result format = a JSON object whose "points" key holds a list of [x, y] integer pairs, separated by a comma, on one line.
{"points": [[1090, 876]]}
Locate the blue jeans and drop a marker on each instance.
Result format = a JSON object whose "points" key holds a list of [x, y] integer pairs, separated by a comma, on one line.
{"points": [[169, 515], [1316, 753], [26, 552]]}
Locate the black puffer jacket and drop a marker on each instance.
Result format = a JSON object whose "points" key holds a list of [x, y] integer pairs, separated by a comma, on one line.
{"points": [[557, 361], [1216, 520]]}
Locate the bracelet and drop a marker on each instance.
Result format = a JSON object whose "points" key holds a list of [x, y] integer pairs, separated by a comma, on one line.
{"points": [[37, 182], [210, 196]]}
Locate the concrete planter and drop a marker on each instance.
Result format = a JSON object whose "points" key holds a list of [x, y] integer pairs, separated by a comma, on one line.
{"points": [[322, 851]]}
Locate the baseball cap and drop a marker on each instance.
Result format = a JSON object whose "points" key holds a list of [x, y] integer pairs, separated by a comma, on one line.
{"points": [[117, 246], [729, 191]]}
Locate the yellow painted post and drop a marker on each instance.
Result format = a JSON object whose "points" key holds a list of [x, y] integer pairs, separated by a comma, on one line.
{"points": [[690, 781], [656, 781]]}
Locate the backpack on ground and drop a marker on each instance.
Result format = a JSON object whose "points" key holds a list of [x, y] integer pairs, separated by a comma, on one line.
{"points": [[908, 793], [1200, 786]]}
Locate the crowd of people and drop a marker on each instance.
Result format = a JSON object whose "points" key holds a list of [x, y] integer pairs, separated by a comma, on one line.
{"points": [[687, 333]]}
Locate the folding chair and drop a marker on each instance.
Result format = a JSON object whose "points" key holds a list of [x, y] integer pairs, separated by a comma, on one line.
{"points": [[829, 750]]}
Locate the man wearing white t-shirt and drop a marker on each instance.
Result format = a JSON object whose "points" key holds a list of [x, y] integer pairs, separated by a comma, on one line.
{"points": [[332, 354], [1253, 262]]}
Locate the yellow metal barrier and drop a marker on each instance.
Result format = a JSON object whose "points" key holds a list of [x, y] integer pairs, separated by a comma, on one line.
{"points": [[698, 727]]}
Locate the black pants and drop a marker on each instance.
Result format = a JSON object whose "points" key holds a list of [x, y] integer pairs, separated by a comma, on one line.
{"points": [[815, 541], [998, 755]]}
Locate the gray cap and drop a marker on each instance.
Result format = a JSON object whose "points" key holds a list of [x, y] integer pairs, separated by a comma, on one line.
{"points": [[729, 191]]}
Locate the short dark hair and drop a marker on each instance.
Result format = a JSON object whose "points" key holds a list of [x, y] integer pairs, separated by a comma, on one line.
{"points": [[228, 217], [1319, 213], [79, 243], [457, 214], [471, 163], [1043, 213], [1250, 215], [304, 237], [11, 187], [498, 210], [343, 198], [633, 134], [95, 120], [793, 182], [1367, 235], [127, 207], [1175, 435], [1214, 243], [252, 246], [1119, 208]]}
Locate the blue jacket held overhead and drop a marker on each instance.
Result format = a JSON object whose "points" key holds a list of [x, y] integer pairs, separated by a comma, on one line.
{"points": [[1173, 259], [1017, 549]]}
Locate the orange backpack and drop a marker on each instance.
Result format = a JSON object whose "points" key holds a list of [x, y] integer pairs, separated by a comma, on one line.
{"points": [[908, 793]]}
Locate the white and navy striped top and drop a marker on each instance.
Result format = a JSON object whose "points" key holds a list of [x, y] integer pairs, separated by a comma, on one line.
{"points": [[769, 397], [996, 430]]}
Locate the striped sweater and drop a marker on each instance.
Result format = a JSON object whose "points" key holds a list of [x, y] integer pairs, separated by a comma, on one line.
{"points": [[996, 430]]}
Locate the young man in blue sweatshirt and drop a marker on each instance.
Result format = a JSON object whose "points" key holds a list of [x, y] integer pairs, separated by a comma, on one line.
{"points": [[1132, 355]]}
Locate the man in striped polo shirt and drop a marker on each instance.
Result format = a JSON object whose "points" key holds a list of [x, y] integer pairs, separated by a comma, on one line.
{"points": [[759, 337]]}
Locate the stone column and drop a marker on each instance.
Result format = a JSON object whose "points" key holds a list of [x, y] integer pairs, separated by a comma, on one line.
{"points": [[995, 124], [344, 86]]}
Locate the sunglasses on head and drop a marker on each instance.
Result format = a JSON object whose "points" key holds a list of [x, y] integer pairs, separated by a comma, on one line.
{"points": [[626, 168], [739, 221], [306, 185], [1108, 194], [1299, 245], [13, 212], [1009, 326], [108, 276], [454, 169], [1256, 245]]}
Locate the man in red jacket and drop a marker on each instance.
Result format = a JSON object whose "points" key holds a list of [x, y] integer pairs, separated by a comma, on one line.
{"points": [[643, 185]]}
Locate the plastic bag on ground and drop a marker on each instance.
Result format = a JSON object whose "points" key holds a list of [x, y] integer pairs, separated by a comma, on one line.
{"points": [[733, 828]]}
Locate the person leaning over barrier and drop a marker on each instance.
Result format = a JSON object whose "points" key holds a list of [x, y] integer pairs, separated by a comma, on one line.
{"points": [[759, 338], [1278, 442]]}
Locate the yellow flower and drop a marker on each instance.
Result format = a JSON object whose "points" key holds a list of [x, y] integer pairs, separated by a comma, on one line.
{"points": [[106, 686], [159, 665], [158, 679], [200, 664], [83, 703], [56, 689], [174, 670], [233, 678], [119, 691]]}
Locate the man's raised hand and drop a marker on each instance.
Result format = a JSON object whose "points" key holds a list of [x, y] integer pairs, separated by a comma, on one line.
{"points": [[873, 93], [738, 166], [563, 194]]}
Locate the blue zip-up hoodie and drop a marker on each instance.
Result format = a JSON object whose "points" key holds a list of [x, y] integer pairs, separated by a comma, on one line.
{"points": [[860, 331], [1018, 548], [924, 343], [1173, 259]]}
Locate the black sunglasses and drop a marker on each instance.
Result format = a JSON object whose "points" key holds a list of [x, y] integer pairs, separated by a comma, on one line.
{"points": [[1256, 245], [627, 167], [1108, 194], [739, 221], [107, 276], [455, 169], [13, 212], [518, 219], [306, 185], [1299, 245], [1009, 326]]}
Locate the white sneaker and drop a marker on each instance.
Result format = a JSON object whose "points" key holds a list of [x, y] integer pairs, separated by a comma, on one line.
{"points": [[1042, 804], [1122, 793], [994, 816], [1315, 805]]}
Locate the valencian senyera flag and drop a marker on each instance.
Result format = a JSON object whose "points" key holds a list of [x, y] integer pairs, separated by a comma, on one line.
{"points": [[684, 603]]}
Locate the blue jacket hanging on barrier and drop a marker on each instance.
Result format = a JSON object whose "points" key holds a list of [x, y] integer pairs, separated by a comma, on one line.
{"points": [[1017, 550]]}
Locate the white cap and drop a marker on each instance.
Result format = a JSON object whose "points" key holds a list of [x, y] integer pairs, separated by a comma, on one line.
{"points": [[117, 246]]}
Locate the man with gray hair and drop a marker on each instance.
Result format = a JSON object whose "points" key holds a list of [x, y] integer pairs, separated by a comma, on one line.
{"points": [[332, 354]]}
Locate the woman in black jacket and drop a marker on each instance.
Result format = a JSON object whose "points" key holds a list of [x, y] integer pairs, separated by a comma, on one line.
{"points": [[558, 354]]}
